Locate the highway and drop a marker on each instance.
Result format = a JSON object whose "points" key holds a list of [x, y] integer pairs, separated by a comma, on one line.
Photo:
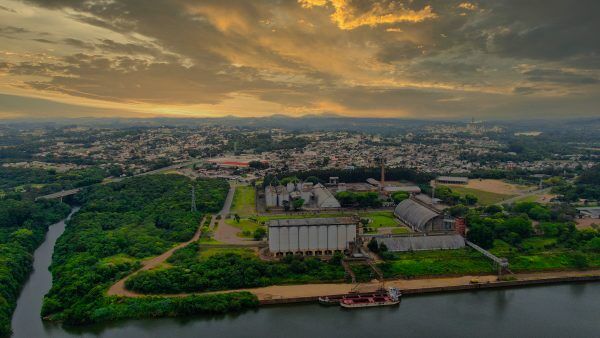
{"points": [[70, 192]]}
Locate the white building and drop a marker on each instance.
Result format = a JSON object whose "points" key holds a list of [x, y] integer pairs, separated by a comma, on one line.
{"points": [[314, 196], [311, 236]]}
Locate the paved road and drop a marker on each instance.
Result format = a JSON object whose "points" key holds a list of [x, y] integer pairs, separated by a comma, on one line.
{"points": [[66, 193], [516, 198], [226, 233]]}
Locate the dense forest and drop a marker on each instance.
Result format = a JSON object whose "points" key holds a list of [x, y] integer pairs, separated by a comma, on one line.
{"points": [[231, 270], [119, 224], [33, 181], [23, 225]]}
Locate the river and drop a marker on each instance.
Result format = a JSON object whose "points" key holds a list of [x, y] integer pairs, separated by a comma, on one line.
{"points": [[568, 310]]}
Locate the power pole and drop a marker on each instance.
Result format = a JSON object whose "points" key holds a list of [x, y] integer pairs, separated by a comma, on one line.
{"points": [[193, 208]]}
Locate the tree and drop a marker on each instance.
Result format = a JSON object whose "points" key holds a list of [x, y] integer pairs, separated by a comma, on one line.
{"points": [[373, 245], [312, 179], [399, 196], [539, 213], [259, 233], [458, 210], [297, 204], [493, 209], [520, 225], [580, 261], [481, 235], [258, 165], [470, 199]]}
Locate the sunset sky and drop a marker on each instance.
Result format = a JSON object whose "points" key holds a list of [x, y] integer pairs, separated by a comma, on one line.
{"points": [[376, 58]]}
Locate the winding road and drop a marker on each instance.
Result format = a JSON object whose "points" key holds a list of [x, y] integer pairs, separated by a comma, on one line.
{"points": [[224, 233], [118, 289]]}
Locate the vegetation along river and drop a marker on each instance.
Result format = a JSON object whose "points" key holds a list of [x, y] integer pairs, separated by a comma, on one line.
{"points": [[568, 310]]}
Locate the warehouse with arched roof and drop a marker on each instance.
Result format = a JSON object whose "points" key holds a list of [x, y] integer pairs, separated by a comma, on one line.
{"points": [[422, 218]]}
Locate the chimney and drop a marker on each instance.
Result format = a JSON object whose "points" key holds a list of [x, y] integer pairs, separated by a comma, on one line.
{"points": [[382, 174]]}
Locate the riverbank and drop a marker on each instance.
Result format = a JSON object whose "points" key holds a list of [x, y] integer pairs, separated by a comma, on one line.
{"points": [[283, 294], [310, 293]]}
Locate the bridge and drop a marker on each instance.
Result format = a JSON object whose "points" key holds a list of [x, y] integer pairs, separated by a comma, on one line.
{"points": [[60, 194], [502, 263], [64, 193]]}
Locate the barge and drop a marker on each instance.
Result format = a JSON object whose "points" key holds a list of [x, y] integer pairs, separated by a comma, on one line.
{"points": [[352, 300]]}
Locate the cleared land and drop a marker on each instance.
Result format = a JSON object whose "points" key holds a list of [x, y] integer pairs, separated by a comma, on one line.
{"points": [[498, 187], [246, 226], [483, 197], [585, 223], [490, 191], [244, 201]]}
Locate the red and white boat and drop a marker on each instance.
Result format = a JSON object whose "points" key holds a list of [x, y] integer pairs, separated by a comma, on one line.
{"points": [[392, 297]]}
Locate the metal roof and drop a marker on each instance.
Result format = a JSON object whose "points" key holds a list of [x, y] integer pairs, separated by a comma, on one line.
{"points": [[312, 221], [414, 213], [416, 243], [453, 179], [592, 211]]}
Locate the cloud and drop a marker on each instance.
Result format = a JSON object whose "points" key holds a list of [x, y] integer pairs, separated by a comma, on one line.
{"points": [[7, 9], [349, 15], [377, 57], [559, 76], [468, 6], [16, 106]]}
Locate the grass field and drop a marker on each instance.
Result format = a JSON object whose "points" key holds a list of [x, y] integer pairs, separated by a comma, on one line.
{"points": [[205, 253], [209, 241], [535, 254], [381, 219], [483, 197], [246, 226], [401, 230], [438, 262], [244, 201], [539, 254]]}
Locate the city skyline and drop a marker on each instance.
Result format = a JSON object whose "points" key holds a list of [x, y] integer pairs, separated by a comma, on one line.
{"points": [[401, 59]]}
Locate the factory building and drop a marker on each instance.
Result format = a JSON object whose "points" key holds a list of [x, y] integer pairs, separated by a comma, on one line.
{"points": [[421, 217], [314, 195], [312, 236], [452, 180]]}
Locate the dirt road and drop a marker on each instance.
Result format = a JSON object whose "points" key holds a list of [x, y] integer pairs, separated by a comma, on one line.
{"points": [[119, 287], [316, 290]]}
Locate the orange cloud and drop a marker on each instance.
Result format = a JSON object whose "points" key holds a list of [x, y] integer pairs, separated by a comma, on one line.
{"points": [[348, 17], [468, 6]]}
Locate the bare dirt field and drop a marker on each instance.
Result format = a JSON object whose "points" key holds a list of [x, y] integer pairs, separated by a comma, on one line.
{"points": [[586, 223], [498, 187]]}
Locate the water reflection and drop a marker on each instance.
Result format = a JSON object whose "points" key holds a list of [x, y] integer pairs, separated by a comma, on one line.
{"points": [[569, 310]]}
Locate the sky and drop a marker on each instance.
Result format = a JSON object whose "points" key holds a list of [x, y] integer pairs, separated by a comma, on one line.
{"points": [[430, 59]]}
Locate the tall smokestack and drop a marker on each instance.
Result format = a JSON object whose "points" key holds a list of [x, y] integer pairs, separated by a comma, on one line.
{"points": [[382, 174]]}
